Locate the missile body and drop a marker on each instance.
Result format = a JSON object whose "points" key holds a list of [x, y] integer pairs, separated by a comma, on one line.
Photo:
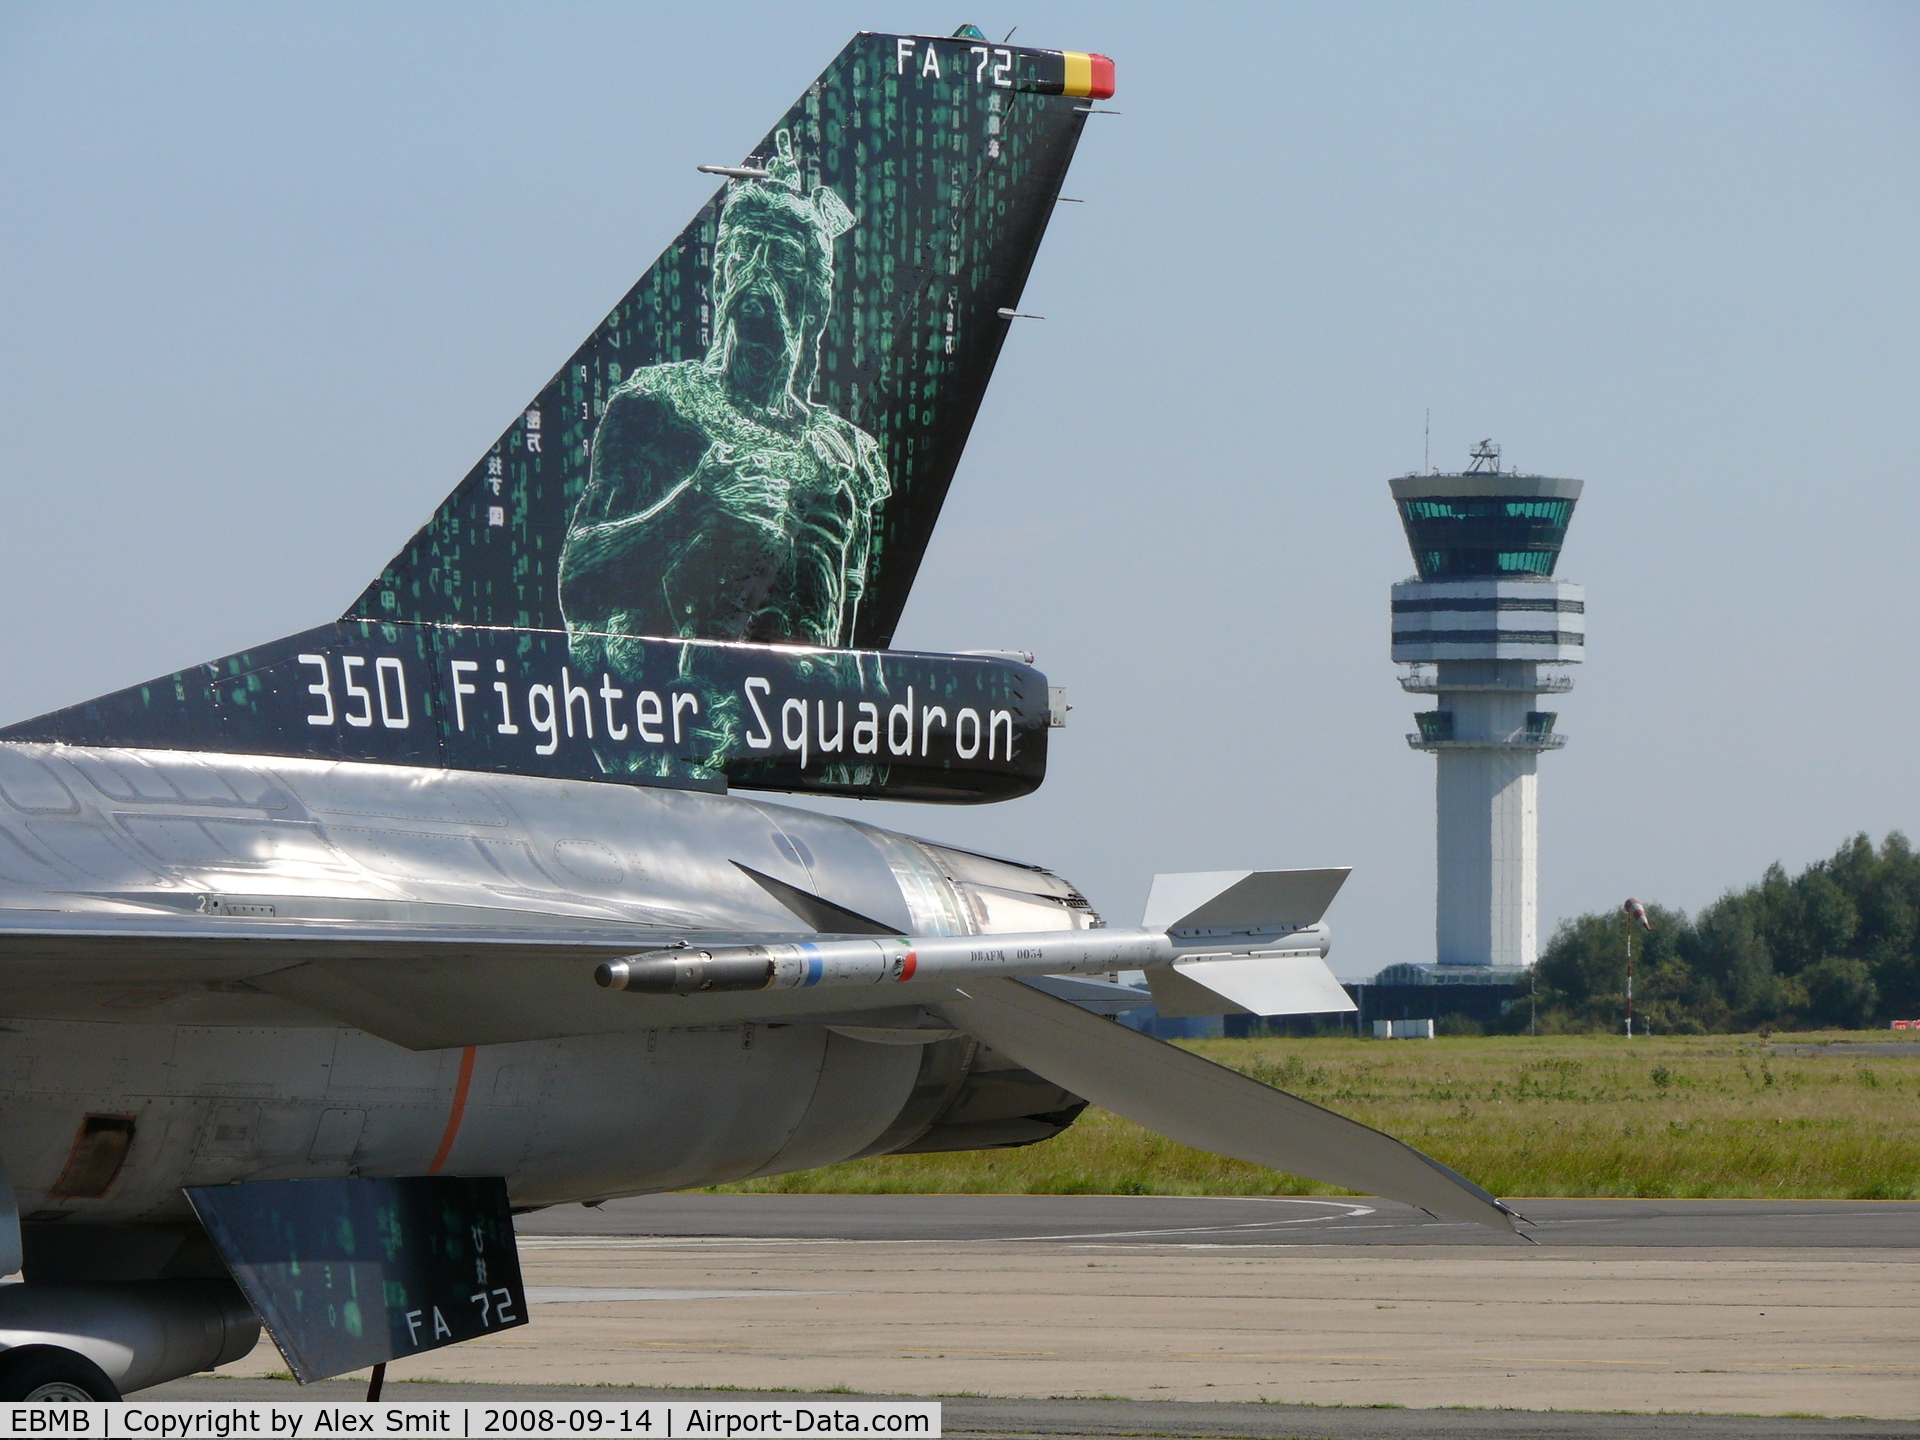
{"points": [[893, 959]]}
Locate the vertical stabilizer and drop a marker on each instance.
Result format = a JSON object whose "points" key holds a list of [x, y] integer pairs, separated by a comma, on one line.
{"points": [[756, 442], [683, 561]]}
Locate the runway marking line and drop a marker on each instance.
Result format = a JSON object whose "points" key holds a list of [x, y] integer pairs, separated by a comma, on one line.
{"points": [[1535, 1255], [1353, 1213]]}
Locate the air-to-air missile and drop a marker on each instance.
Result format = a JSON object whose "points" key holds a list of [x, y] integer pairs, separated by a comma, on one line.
{"points": [[1220, 917]]}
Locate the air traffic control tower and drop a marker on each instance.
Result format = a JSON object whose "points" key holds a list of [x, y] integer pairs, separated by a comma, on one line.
{"points": [[1485, 628]]}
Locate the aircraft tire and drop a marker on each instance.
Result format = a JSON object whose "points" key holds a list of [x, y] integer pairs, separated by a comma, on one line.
{"points": [[48, 1374]]}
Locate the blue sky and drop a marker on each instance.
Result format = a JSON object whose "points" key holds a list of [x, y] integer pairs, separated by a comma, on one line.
{"points": [[272, 277]]}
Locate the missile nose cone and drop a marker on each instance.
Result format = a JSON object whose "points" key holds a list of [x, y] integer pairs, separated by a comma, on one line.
{"points": [[688, 972]]}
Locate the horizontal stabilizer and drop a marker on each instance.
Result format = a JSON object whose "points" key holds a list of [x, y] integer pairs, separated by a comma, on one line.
{"points": [[1195, 1102], [1238, 902], [1267, 985]]}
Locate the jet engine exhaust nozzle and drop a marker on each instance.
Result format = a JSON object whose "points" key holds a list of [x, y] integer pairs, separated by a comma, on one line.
{"points": [[687, 972]]}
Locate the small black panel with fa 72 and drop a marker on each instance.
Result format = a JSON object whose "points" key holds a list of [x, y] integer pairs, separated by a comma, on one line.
{"points": [[351, 1273]]}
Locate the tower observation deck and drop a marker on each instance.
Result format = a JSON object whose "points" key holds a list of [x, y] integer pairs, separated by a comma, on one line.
{"points": [[1484, 626]]}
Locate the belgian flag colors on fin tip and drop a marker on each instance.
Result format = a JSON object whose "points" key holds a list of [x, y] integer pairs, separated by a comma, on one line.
{"points": [[1090, 76]]}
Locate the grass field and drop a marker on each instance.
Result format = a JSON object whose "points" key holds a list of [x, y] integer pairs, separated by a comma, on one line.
{"points": [[1699, 1116]]}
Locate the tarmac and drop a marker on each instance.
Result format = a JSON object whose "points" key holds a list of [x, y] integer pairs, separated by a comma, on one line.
{"points": [[1085, 1419], [1223, 1220], [1106, 1315]]}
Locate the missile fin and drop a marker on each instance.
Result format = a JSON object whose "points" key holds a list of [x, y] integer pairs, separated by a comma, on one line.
{"points": [[1242, 900], [1268, 985], [1274, 985]]}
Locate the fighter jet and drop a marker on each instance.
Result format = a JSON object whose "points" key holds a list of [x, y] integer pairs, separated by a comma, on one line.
{"points": [[321, 960]]}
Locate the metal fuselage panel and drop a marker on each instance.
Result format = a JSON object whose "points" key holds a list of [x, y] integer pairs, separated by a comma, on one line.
{"points": [[227, 1083], [560, 1119]]}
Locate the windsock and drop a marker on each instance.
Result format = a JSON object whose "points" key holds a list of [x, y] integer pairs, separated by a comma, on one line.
{"points": [[1636, 911]]}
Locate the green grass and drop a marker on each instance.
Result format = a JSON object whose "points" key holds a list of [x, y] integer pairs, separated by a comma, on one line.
{"points": [[1690, 1116]]}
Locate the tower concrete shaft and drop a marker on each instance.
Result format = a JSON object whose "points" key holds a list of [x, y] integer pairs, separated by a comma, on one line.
{"points": [[1487, 833], [1485, 627]]}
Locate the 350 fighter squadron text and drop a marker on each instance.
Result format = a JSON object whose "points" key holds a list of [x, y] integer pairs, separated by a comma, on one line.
{"points": [[362, 691]]}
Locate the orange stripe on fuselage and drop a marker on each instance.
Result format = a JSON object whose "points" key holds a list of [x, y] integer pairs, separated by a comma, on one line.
{"points": [[457, 1113]]}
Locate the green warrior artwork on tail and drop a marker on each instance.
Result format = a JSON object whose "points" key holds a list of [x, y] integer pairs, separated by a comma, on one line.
{"points": [[684, 560], [723, 499], [755, 444]]}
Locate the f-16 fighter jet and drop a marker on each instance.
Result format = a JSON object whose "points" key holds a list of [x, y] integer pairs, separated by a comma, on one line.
{"points": [[321, 960]]}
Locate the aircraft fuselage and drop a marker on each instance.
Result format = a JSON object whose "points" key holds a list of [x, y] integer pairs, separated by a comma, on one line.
{"points": [[222, 1070]]}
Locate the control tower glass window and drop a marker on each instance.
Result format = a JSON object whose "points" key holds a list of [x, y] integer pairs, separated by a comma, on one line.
{"points": [[1485, 534]]}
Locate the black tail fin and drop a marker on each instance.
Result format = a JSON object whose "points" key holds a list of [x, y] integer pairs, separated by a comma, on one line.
{"points": [[756, 443], [753, 447]]}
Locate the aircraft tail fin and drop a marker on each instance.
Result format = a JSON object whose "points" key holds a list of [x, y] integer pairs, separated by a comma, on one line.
{"points": [[752, 447], [756, 442]]}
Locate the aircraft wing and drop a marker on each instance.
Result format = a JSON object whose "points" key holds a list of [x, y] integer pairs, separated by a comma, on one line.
{"points": [[422, 986], [458, 975], [57, 946]]}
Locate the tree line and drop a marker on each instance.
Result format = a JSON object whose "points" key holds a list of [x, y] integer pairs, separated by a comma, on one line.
{"points": [[1837, 945]]}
